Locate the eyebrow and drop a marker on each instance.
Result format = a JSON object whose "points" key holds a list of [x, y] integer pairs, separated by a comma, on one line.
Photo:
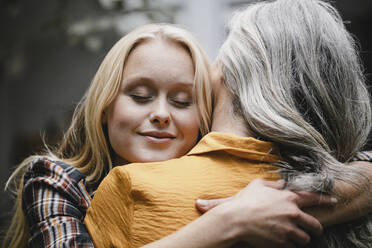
{"points": [[138, 81], [147, 81]]}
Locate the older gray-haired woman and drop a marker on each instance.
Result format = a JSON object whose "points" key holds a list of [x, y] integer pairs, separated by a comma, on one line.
{"points": [[295, 76]]}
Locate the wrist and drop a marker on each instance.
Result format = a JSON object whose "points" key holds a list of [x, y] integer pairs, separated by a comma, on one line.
{"points": [[231, 230]]}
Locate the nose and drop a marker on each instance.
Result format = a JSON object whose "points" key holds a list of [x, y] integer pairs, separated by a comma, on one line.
{"points": [[160, 115]]}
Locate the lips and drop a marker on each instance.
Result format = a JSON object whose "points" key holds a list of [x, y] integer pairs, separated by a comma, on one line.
{"points": [[158, 135], [158, 139]]}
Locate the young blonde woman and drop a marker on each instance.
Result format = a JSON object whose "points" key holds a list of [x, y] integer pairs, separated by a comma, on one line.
{"points": [[135, 110]]}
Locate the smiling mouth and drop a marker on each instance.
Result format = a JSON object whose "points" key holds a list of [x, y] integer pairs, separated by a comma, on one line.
{"points": [[158, 137]]}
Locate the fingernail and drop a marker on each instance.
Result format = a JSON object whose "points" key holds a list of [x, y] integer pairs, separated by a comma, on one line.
{"points": [[201, 202], [334, 200]]}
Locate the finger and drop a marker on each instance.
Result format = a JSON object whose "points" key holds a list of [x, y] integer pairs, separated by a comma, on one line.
{"points": [[299, 237], [309, 224], [309, 199], [205, 205], [279, 184]]}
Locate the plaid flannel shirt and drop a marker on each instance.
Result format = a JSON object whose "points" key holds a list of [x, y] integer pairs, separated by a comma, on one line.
{"points": [[56, 198]]}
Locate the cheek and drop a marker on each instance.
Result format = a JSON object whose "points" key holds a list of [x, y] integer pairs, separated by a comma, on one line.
{"points": [[124, 113], [122, 119], [117, 122], [189, 124]]}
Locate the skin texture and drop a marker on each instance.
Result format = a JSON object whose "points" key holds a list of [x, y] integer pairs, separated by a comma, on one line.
{"points": [[154, 116]]}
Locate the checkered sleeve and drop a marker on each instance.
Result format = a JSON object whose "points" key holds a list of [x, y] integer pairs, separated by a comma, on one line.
{"points": [[363, 156], [55, 200]]}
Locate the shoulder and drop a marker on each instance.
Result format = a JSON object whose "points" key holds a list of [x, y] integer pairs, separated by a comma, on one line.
{"points": [[172, 165], [54, 180], [54, 201], [131, 175], [43, 168]]}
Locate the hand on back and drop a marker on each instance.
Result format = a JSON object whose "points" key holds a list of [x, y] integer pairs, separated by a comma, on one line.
{"points": [[263, 215]]}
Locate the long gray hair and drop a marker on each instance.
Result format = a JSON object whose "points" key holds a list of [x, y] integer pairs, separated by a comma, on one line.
{"points": [[296, 79]]}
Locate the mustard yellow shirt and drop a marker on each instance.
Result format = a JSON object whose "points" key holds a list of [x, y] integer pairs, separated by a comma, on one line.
{"points": [[140, 203]]}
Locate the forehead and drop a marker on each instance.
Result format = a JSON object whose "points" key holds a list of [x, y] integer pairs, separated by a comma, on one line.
{"points": [[161, 60]]}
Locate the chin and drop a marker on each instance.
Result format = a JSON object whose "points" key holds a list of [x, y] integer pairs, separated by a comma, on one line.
{"points": [[155, 158]]}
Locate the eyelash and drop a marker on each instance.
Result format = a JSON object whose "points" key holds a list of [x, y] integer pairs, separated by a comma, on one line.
{"points": [[141, 99], [181, 104], [145, 99]]}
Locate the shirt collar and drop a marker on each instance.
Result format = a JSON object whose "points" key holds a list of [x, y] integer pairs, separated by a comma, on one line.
{"points": [[244, 147]]}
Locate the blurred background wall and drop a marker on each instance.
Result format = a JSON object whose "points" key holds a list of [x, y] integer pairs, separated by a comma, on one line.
{"points": [[50, 50]]}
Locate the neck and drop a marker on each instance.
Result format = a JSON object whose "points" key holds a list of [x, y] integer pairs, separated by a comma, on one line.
{"points": [[225, 120]]}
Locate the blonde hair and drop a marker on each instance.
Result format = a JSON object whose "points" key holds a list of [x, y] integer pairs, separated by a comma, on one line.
{"points": [[296, 79], [85, 145]]}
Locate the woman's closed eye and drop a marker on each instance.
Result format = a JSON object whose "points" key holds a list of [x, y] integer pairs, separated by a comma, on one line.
{"points": [[181, 103], [141, 98], [181, 99], [140, 94]]}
